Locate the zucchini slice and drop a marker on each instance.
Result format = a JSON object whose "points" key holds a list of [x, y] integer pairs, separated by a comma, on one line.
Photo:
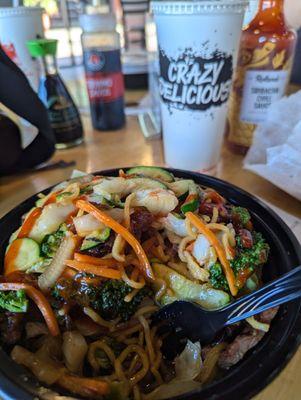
{"points": [[182, 288], [151, 172], [95, 238], [143, 183], [28, 253], [182, 186]]}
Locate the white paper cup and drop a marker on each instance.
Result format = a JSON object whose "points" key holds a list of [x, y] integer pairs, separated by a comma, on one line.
{"points": [[198, 45], [17, 26]]}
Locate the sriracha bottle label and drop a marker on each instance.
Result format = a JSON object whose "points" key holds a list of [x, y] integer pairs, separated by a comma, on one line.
{"points": [[103, 75]]}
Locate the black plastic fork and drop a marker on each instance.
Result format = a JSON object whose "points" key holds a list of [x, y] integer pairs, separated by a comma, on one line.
{"points": [[197, 324]]}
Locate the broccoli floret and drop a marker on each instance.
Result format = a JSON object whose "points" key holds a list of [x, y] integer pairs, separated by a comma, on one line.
{"points": [[245, 259], [13, 301], [109, 300], [253, 257], [217, 277], [51, 242], [240, 215]]}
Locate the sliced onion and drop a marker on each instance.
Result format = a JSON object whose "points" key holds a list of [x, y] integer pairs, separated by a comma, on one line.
{"points": [[175, 225], [86, 224], [46, 372], [57, 266], [74, 349], [189, 362], [53, 215]]}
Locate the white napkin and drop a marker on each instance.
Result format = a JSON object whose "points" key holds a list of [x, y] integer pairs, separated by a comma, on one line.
{"points": [[276, 150]]}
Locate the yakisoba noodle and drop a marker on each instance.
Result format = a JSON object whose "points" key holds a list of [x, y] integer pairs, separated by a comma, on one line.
{"points": [[149, 239], [118, 248]]}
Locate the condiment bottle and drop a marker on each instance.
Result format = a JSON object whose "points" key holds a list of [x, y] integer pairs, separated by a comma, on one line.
{"points": [[262, 74], [101, 52], [63, 113]]}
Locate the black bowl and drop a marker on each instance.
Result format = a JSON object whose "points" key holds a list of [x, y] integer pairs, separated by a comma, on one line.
{"points": [[260, 365]]}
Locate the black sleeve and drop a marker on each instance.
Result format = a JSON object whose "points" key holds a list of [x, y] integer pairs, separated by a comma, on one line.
{"points": [[17, 95]]}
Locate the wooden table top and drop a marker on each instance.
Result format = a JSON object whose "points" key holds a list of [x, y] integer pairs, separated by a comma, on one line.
{"points": [[126, 147]]}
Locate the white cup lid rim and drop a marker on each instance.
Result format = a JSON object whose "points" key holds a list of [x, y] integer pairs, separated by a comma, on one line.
{"points": [[19, 11], [176, 7]]}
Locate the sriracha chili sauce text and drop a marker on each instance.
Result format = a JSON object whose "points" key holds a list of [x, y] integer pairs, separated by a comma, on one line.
{"points": [[105, 88]]}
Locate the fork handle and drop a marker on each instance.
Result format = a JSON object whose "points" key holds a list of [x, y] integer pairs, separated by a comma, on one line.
{"points": [[279, 291]]}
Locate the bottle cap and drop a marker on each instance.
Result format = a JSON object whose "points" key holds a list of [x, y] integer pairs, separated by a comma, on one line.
{"points": [[42, 47], [97, 22]]}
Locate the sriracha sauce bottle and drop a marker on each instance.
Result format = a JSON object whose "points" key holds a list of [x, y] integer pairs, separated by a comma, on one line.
{"points": [[101, 52]]}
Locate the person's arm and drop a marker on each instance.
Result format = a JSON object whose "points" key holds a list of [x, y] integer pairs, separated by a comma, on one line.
{"points": [[17, 95]]}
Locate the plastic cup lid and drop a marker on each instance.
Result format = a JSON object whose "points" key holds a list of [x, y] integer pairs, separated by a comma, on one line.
{"points": [[42, 47], [6, 12], [178, 7]]}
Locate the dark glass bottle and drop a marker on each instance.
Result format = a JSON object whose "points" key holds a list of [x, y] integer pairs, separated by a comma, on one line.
{"points": [[63, 113], [104, 78]]}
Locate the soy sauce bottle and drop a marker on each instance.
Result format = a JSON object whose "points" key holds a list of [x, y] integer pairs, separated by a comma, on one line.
{"points": [[63, 113], [101, 52]]}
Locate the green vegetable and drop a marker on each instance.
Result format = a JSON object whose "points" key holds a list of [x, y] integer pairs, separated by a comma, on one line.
{"points": [[183, 186], [192, 201], [217, 277], [109, 300], [86, 189], [252, 283], [181, 288], [51, 242], [245, 259], [143, 183], [151, 172], [191, 204], [63, 195], [240, 215], [253, 257], [13, 301], [95, 238], [28, 254], [40, 266], [40, 201]]}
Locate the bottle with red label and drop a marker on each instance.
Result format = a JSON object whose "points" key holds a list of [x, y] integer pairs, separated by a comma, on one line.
{"points": [[101, 52]]}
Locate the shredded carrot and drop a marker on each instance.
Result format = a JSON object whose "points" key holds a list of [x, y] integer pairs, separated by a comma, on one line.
{"points": [[29, 222], [87, 387], [108, 262], [70, 273], [10, 257], [40, 300], [219, 250], [127, 236], [51, 198], [94, 269]]}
